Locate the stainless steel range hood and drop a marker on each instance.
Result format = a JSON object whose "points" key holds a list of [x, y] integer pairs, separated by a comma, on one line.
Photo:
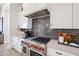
{"points": [[39, 14]]}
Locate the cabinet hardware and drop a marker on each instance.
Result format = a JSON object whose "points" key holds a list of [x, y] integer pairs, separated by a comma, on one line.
{"points": [[58, 53]]}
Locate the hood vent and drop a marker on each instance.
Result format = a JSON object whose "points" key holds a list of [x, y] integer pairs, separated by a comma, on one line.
{"points": [[39, 14]]}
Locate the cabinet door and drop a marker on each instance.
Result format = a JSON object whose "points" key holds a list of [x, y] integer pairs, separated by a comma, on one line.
{"points": [[29, 23], [60, 15], [16, 43], [76, 15], [23, 21], [29, 8], [56, 52]]}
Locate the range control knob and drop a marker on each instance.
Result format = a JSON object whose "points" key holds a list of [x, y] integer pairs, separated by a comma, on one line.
{"points": [[36, 47], [27, 43], [42, 49], [22, 41], [39, 48], [31, 45]]}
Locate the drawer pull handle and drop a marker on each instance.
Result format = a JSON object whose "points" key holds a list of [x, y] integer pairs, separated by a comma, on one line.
{"points": [[58, 53]]}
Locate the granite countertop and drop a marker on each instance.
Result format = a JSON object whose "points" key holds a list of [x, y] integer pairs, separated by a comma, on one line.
{"points": [[54, 44]]}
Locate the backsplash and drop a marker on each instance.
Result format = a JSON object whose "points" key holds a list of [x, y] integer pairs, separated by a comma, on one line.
{"points": [[41, 27], [54, 32]]}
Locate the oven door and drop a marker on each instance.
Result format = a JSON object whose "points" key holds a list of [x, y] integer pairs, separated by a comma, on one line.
{"points": [[25, 50], [34, 53]]}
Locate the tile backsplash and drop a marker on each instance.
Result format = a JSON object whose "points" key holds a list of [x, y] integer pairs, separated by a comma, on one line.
{"points": [[41, 27], [54, 32]]}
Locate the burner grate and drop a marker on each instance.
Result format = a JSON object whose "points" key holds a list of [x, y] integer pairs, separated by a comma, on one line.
{"points": [[41, 40]]}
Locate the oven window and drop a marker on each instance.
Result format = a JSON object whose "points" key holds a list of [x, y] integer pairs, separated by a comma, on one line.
{"points": [[32, 53], [24, 49]]}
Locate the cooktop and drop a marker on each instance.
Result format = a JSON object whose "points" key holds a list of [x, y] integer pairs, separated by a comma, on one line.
{"points": [[41, 40]]}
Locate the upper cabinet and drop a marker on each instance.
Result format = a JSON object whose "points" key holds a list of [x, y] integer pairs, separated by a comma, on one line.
{"points": [[24, 22], [76, 16], [60, 15], [29, 8]]}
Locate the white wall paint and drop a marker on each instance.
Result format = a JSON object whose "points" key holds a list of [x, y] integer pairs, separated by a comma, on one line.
{"points": [[10, 12], [5, 13]]}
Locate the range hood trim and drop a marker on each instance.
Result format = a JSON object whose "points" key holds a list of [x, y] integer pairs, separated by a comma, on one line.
{"points": [[39, 14]]}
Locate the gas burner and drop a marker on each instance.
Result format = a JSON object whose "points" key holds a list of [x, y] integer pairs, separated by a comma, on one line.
{"points": [[42, 40], [28, 37]]}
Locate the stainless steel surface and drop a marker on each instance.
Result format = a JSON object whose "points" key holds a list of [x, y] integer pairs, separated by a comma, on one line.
{"points": [[33, 46], [39, 14], [41, 40], [24, 50], [1, 38], [23, 44]]}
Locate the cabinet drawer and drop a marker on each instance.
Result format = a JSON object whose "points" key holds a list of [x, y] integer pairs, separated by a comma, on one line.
{"points": [[17, 46], [56, 52]]}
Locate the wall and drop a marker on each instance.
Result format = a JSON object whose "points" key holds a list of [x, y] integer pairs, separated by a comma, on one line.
{"points": [[5, 13], [9, 13]]}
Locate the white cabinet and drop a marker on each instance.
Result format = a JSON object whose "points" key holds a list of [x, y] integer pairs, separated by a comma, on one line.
{"points": [[56, 52], [16, 43], [75, 15], [60, 15], [24, 22], [29, 8]]}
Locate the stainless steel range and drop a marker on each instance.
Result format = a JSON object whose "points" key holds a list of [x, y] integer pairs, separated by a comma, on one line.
{"points": [[35, 47]]}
